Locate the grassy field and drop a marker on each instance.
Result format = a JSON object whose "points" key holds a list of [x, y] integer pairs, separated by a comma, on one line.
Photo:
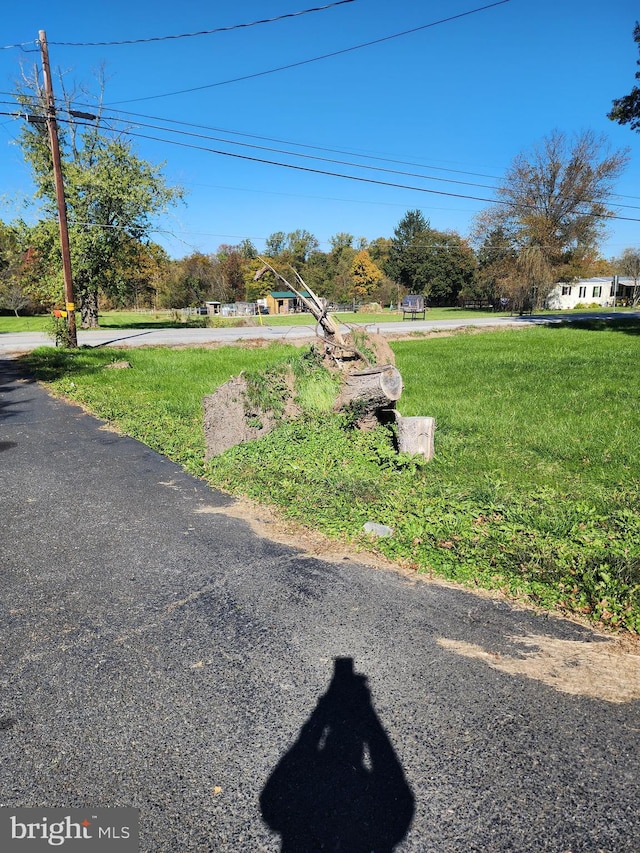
{"points": [[535, 487], [169, 319]]}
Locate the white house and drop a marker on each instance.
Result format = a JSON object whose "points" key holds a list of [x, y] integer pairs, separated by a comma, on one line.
{"points": [[588, 291]]}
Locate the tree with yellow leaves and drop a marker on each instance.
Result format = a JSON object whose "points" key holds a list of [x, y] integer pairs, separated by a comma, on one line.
{"points": [[365, 275]]}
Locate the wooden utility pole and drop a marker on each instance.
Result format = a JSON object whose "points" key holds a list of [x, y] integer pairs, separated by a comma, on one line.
{"points": [[60, 199]]}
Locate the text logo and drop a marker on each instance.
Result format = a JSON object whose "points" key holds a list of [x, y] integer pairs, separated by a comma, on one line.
{"points": [[74, 830]]}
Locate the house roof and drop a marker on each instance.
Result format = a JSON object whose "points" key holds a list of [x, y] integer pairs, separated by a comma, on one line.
{"points": [[599, 279], [286, 294]]}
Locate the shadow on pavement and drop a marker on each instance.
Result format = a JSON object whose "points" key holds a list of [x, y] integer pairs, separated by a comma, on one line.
{"points": [[46, 365], [10, 374], [341, 786]]}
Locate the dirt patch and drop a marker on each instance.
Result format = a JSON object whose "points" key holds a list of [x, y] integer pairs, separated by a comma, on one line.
{"points": [[608, 670], [227, 422], [266, 523], [451, 332], [605, 668]]}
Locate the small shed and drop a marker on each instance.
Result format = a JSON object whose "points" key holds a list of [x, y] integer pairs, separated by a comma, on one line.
{"points": [[285, 302], [413, 304]]}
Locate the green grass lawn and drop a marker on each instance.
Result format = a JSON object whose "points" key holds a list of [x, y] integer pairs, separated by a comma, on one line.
{"points": [[534, 488], [168, 319]]}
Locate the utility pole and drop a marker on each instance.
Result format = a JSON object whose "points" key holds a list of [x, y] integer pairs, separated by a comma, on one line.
{"points": [[62, 207]]}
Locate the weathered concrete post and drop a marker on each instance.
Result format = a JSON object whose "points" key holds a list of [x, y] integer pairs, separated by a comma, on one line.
{"points": [[415, 435]]}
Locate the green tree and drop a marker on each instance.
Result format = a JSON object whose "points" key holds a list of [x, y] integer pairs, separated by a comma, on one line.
{"points": [[147, 274], [405, 263], [496, 259], [379, 250], [626, 110], [112, 198], [421, 259], [319, 274], [13, 294], [300, 244], [275, 244], [340, 258], [258, 288], [42, 275], [192, 280], [232, 265], [339, 242], [247, 249], [450, 265]]}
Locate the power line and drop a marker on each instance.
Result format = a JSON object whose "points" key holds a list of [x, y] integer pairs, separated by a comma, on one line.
{"points": [[363, 156], [380, 158], [322, 160], [255, 191], [21, 45], [201, 32], [174, 233], [326, 160], [315, 58], [310, 156], [313, 147], [294, 153], [300, 168], [357, 178]]}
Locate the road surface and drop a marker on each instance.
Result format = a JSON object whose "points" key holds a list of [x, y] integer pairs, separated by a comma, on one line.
{"points": [[157, 653], [17, 342]]}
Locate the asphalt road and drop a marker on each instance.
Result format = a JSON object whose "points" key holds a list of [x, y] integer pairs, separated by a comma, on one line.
{"points": [[157, 653], [16, 342]]}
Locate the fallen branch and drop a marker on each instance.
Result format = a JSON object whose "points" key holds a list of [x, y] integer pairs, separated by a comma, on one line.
{"points": [[317, 307]]}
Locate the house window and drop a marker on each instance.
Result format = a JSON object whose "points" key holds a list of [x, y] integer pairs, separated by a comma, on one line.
{"points": [[582, 291], [612, 292], [597, 290], [566, 290]]}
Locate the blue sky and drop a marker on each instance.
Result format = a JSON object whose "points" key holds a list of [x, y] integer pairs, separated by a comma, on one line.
{"points": [[455, 101]]}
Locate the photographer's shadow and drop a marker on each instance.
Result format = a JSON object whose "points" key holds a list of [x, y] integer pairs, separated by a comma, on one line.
{"points": [[340, 787]]}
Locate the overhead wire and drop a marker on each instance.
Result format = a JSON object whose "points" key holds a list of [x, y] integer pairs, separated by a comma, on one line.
{"points": [[310, 156], [326, 172], [323, 160], [21, 45], [303, 155], [295, 14], [360, 155], [229, 28], [298, 154], [312, 170], [364, 156], [357, 178], [315, 58]]}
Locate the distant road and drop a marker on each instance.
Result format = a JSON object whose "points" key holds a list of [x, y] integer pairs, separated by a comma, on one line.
{"points": [[13, 343]]}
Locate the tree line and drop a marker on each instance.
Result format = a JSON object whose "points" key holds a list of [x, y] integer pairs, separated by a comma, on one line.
{"points": [[547, 224], [490, 269]]}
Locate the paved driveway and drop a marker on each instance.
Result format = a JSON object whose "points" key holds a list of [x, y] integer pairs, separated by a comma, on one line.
{"points": [[157, 653]]}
